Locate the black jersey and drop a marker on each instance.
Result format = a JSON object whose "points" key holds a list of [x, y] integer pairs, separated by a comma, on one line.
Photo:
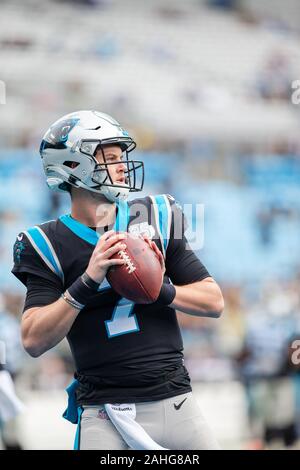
{"points": [[123, 352]]}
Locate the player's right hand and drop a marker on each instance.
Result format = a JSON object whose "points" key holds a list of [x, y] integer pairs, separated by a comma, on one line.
{"points": [[109, 244]]}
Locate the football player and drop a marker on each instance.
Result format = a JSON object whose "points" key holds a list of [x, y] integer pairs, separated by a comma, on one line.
{"points": [[124, 353]]}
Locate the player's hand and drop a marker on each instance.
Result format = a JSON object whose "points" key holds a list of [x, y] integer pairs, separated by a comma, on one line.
{"points": [[109, 244], [158, 253]]}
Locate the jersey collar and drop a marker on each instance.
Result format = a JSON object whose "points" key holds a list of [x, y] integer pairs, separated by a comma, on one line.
{"points": [[91, 236]]}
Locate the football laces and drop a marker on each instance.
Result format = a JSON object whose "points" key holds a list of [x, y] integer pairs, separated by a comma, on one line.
{"points": [[129, 264]]}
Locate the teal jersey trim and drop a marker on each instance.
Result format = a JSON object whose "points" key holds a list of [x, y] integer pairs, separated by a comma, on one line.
{"points": [[71, 412], [81, 230], [122, 220], [164, 215], [43, 246], [90, 235], [77, 435]]}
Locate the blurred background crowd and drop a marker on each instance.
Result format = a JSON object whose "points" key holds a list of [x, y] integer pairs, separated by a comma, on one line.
{"points": [[205, 87]]}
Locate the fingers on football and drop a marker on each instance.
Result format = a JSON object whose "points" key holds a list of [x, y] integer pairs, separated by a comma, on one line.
{"points": [[159, 255], [111, 240], [154, 247], [113, 262], [107, 235], [157, 251], [147, 240], [112, 250], [149, 243]]}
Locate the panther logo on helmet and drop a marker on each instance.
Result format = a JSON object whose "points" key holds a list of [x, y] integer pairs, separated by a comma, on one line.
{"points": [[57, 135]]}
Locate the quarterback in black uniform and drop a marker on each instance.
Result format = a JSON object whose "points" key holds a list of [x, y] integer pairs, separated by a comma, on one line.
{"points": [[124, 353]]}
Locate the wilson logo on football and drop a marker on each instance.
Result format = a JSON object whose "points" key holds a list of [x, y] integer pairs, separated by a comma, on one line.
{"points": [[140, 277]]}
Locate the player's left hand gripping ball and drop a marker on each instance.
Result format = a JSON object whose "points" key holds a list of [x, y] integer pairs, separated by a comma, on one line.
{"points": [[140, 278]]}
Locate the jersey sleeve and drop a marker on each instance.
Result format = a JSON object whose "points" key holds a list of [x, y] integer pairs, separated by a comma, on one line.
{"points": [[182, 265], [28, 261], [41, 291]]}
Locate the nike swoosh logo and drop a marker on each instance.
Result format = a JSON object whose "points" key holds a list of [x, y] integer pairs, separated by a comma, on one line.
{"points": [[177, 407], [19, 237]]}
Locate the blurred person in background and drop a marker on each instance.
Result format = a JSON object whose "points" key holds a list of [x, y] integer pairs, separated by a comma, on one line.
{"points": [[266, 367], [275, 78], [10, 405], [293, 369], [137, 355]]}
